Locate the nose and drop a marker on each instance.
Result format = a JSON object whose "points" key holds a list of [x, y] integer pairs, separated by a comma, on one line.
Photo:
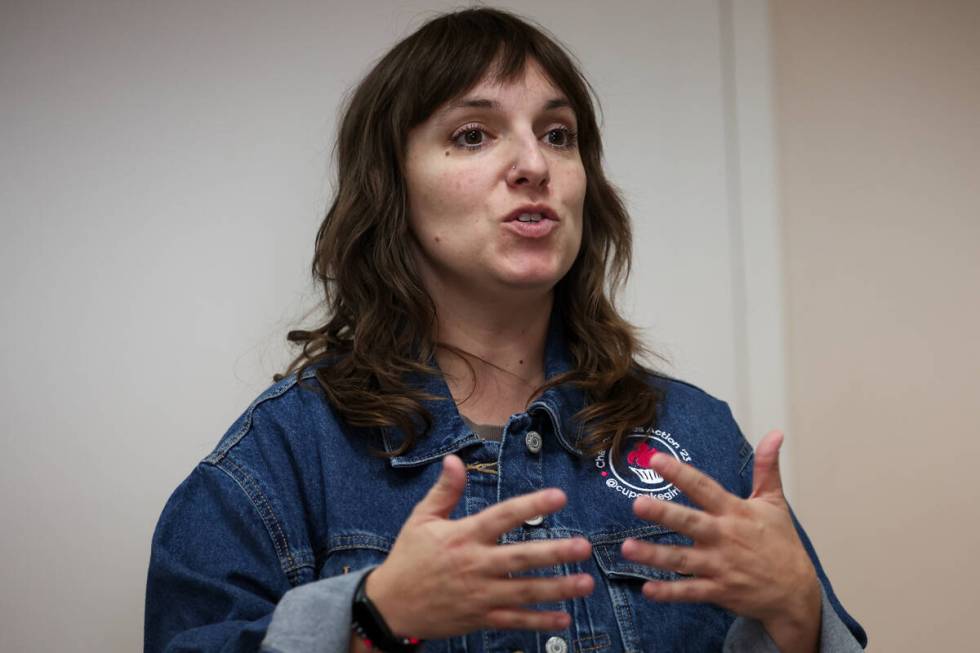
{"points": [[529, 166]]}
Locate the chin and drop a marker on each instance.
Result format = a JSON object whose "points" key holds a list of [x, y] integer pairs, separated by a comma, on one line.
{"points": [[540, 272], [536, 279]]}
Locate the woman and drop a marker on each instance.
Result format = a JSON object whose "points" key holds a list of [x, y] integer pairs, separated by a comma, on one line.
{"points": [[468, 452]]}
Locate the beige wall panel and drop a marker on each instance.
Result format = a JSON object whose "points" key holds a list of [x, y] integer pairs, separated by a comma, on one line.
{"points": [[878, 114]]}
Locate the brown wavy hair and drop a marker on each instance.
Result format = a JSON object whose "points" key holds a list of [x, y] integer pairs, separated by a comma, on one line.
{"points": [[380, 321]]}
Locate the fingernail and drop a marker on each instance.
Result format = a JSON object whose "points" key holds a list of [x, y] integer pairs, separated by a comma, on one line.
{"points": [[584, 583]]}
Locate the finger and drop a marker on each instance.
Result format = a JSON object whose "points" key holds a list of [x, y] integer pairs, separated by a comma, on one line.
{"points": [[682, 559], [514, 592], [516, 558], [766, 478], [695, 590], [445, 494], [698, 486], [508, 515], [514, 619], [696, 524]]}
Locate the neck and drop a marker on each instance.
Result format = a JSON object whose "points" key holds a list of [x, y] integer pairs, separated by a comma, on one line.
{"points": [[492, 351]]}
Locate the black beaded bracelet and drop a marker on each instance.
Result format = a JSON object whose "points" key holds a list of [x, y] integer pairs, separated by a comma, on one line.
{"points": [[371, 627]]}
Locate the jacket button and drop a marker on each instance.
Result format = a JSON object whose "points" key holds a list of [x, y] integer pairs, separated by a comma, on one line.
{"points": [[556, 645], [534, 521], [533, 441]]}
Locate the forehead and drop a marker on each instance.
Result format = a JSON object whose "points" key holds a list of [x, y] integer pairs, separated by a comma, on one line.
{"points": [[532, 77], [493, 92]]}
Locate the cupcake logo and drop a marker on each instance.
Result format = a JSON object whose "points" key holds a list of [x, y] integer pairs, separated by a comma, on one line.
{"points": [[638, 460], [631, 474]]}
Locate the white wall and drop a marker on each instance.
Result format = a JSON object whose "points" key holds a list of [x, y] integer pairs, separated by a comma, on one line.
{"points": [[163, 169]]}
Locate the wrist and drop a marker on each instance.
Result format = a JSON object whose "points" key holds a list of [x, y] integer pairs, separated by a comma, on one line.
{"points": [[378, 591], [796, 628], [370, 620]]}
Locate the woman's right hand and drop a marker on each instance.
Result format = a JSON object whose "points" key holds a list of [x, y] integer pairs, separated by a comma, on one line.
{"points": [[448, 577]]}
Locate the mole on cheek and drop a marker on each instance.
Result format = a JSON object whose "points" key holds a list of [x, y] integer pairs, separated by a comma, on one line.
{"points": [[447, 152]]}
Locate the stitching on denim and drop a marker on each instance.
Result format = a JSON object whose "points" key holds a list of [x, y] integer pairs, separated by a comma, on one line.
{"points": [[263, 506], [581, 605], [745, 450], [624, 616], [619, 536], [349, 541], [614, 567], [586, 644], [402, 461], [745, 463], [273, 392], [483, 468], [540, 533], [276, 390]]}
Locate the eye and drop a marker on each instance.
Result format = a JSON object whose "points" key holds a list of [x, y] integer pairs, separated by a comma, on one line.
{"points": [[469, 137], [561, 138]]}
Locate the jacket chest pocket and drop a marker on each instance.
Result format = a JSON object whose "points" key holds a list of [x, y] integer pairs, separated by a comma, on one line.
{"points": [[647, 625], [353, 551], [608, 553]]}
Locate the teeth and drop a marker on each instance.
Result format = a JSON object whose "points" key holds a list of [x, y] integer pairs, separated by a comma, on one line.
{"points": [[529, 217]]}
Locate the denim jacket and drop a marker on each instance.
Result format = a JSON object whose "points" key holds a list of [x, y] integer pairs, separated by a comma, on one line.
{"points": [[268, 535]]}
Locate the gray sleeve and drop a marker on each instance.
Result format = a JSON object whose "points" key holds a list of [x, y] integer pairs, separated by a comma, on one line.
{"points": [[748, 635], [314, 618]]}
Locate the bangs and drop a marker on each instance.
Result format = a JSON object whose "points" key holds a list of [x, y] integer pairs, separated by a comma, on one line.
{"points": [[452, 54]]}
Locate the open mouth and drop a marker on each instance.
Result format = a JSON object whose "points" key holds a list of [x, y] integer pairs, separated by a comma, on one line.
{"points": [[532, 214], [530, 217]]}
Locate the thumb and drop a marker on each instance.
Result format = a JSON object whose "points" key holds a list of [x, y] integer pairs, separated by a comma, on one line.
{"points": [[766, 479], [445, 494]]}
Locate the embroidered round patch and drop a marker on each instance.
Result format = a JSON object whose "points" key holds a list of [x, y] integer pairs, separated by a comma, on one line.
{"points": [[630, 472]]}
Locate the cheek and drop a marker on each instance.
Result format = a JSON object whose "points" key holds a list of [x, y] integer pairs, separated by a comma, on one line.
{"points": [[579, 182], [445, 216], [573, 182], [444, 199], [461, 189]]}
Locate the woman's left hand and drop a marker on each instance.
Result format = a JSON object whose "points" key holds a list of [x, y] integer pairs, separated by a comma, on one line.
{"points": [[747, 556]]}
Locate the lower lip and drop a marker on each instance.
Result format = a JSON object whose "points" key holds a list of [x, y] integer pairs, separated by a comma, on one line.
{"points": [[538, 229]]}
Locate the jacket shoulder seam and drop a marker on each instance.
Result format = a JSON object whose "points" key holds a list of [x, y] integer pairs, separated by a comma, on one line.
{"points": [[263, 506], [230, 441], [664, 378]]}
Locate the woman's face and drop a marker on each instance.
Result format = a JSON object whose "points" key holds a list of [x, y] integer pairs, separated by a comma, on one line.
{"points": [[496, 188]]}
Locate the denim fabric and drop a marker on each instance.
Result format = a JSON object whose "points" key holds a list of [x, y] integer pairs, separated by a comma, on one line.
{"points": [[292, 494]]}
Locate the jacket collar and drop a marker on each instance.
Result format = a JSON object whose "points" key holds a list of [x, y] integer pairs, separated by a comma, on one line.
{"points": [[449, 433]]}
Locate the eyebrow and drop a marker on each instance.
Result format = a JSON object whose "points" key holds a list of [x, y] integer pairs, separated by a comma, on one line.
{"points": [[484, 103]]}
